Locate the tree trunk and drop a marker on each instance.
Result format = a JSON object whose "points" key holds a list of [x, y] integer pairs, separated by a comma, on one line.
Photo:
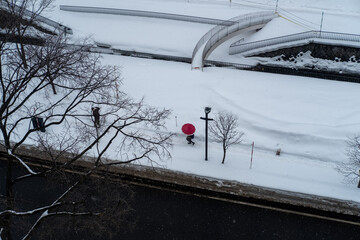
{"points": [[0, 69], [23, 56], [6, 220], [53, 87], [51, 80], [224, 149]]}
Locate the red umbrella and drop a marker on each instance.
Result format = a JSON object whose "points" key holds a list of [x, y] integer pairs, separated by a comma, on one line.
{"points": [[188, 129]]}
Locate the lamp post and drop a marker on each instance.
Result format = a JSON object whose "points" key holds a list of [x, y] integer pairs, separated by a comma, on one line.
{"points": [[207, 111]]}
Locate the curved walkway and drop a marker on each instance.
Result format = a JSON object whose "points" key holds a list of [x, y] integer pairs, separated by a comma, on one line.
{"points": [[219, 34]]}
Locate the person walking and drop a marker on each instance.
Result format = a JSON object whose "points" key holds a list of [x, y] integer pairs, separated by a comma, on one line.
{"points": [[189, 139], [188, 129]]}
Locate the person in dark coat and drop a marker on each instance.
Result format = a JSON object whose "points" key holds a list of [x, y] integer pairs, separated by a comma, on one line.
{"points": [[189, 139], [96, 114]]}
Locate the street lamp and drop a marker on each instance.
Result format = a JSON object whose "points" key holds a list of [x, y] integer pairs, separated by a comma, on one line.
{"points": [[207, 110]]}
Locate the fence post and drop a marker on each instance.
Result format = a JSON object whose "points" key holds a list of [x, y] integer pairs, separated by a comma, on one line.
{"points": [[252, 152], [322, 18], [276, 8]]}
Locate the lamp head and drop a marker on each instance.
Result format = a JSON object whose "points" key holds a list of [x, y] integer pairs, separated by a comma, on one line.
{"points": [[207, 110]]}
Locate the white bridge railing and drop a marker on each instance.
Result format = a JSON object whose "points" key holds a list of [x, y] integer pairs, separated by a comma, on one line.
{"points": [[219, 34], [237, 47]]}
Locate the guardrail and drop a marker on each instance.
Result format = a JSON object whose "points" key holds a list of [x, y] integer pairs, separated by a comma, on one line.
{"points": [[155, 56], [237, 48], [52, 23], [40, 18], [138, 13]]}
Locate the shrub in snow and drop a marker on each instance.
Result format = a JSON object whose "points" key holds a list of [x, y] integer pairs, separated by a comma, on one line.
{"points": [[278, 151], [224, 130], [351, 168]]}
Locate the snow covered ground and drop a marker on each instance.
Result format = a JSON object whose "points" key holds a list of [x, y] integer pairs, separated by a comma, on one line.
{"points": [[309, 119]]}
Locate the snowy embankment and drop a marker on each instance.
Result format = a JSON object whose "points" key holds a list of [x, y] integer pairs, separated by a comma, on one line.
{"points": [[309, 119]]}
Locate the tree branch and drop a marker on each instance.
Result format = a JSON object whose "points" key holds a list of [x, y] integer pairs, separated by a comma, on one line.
{"points": [[31, 212], [22, 162], [45, 213]]}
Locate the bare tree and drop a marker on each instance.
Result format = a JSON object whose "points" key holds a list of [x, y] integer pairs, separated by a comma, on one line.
{"points": [[351, 168], [224, 130], [48, 90]]}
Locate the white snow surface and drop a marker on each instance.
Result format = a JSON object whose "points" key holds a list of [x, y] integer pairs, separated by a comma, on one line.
{"points": [[309, 119]]}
